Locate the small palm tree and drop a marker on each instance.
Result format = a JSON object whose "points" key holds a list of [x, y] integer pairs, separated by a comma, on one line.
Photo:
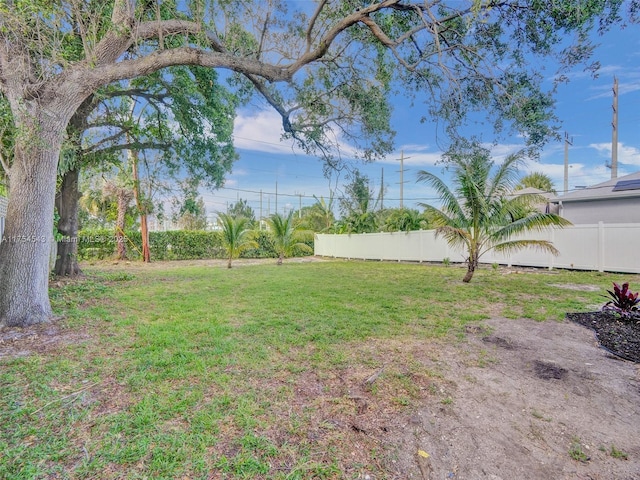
{"points": [[479, 215], [286, 236], [236, 235]]}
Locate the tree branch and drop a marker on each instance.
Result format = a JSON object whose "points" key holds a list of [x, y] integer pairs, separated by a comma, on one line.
{"points": [[92, 78], [137, 92], [312, 23], [130, 146], [5, 166]]}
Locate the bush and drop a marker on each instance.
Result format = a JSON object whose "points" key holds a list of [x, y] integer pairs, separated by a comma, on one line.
{"points": [[171, 245], [185, 245], [266, 248]]}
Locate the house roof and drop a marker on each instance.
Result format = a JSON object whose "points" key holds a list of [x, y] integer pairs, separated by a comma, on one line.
{"points": [[621, 187], [533, 191]]}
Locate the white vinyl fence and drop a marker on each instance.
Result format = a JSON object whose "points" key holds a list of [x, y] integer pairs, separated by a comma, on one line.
{"points": [[602, 247], [3, 213]]}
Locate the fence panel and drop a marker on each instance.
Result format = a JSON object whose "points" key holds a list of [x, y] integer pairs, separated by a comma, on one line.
{"points": [[602, 247], [3, 213]]}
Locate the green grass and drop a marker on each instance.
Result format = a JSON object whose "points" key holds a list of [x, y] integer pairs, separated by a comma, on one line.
{"points": [[254, 372], [576, 451], [615, 453]]}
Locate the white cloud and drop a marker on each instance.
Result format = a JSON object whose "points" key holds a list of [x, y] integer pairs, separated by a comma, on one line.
{"points": [[420, 156], [230, 182], [240, 172], [579, 174], [261, 131], [501, 151], [607, 91], [627, 155]]}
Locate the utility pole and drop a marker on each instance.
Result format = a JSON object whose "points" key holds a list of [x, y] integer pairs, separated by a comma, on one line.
{"points": [[382, 190], [260, 221], [402, 158], [567, 142], [276, 197], [614, 136], [299, 203]]}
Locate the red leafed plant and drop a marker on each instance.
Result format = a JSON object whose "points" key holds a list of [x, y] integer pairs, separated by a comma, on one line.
{"points": [[623, 300]]}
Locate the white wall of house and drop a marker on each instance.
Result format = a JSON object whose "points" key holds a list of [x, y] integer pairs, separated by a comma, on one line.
{"points": [[614, 210], [600, 247]]}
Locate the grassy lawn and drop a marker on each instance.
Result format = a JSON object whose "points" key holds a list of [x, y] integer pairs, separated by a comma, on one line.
{"points": [[254, 372]]}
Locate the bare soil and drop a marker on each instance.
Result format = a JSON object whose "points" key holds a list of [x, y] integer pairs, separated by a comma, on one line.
{"points": [[526, 400]]}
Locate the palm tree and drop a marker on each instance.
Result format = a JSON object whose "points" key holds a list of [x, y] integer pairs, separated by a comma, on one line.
{"points": [[404, 220], [479, 215], [538, 180], [319, 217], [236, 235], [286, 236]]}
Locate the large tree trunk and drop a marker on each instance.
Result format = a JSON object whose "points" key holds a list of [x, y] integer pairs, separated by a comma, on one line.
{"points": [[123, 199], [144, 232], [67, 205], [141, 206], [24, 251]]}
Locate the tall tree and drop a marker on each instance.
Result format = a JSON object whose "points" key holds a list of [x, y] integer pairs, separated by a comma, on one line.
{"points": [[358, 205], [478, 214], [121, 191], [326, 67], [319, 217], [189, 210], [139, 117], [242, 209]]}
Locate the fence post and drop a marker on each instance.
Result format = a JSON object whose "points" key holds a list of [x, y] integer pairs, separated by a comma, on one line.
{"points": [[601, 246], [551, 255]]}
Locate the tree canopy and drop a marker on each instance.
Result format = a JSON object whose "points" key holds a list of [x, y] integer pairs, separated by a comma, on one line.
{"points": [[538, 180]]}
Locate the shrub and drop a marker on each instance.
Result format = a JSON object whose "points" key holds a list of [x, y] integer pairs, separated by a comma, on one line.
{"points": [[265, 248], [623, 301], [100, 244]]}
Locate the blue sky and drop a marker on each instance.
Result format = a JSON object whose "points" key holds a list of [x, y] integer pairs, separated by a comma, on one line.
{"points": [[584, 106]]}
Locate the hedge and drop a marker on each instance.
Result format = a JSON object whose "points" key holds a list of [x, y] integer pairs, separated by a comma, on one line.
{"points": [[171, 245]]}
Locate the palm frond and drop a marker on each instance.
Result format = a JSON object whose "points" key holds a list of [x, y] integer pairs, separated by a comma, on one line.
{"points": [[457, 237], [506, 177], [513, 246], [534, 222], [450, 203]]}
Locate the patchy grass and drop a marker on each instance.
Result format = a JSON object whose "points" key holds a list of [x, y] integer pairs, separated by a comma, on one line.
{"points": [[254, 372], [576, 452]]}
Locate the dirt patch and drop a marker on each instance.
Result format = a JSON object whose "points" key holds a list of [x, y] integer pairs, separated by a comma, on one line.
{"points": [[137, 266], [525, 401], [37, 339]]}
